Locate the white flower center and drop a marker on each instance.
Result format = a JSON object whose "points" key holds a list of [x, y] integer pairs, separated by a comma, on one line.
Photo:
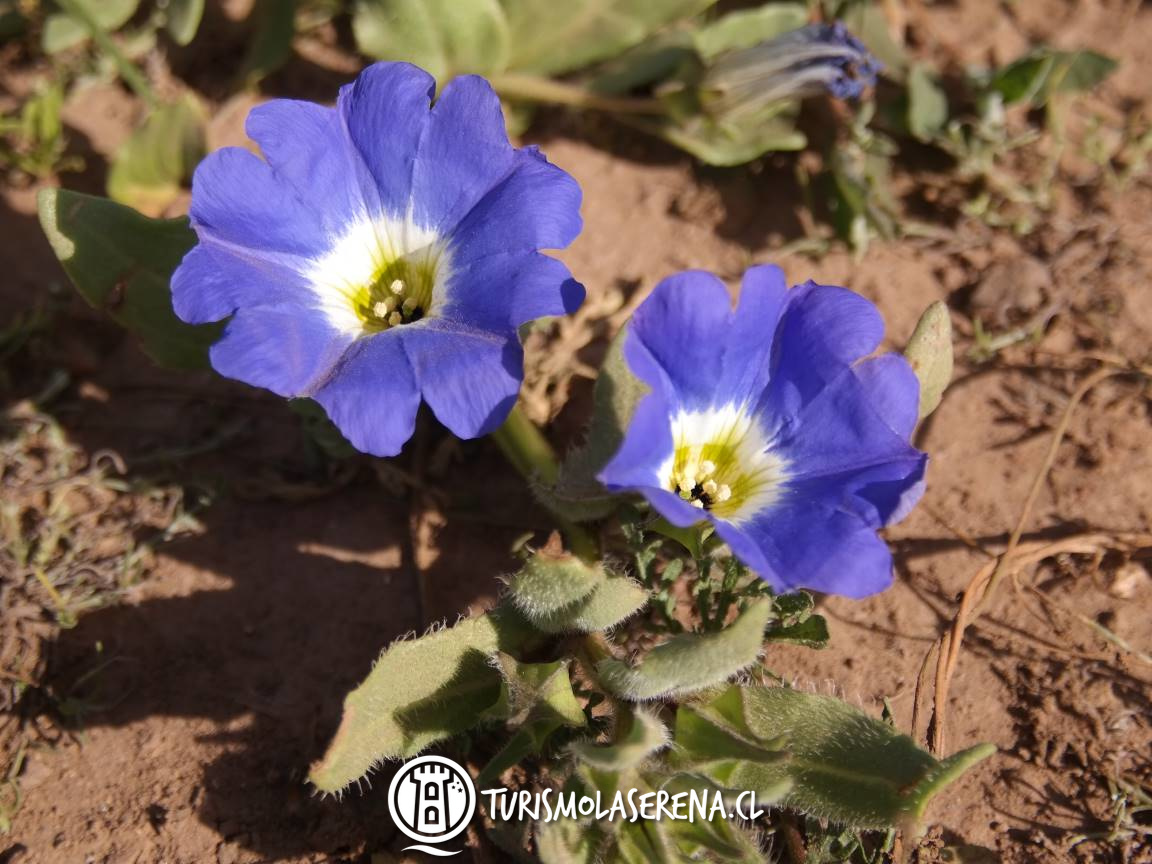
{"points": [[722, 462], [381, 273]]}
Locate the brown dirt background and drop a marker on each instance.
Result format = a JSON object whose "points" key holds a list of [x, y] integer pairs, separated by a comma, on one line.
{"points": [[214, 682]]}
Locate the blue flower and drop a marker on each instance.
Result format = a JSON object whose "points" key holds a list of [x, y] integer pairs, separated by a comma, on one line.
{"points": [[769, 422], [806, 62], [381, 253]]}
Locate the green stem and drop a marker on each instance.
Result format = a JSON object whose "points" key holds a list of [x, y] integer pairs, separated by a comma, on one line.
{"points": [[132, 76], [525, 446], [529, 88]]}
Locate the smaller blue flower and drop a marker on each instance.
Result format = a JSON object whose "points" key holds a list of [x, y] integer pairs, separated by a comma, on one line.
{"points": [[383, 252], [819, 58], [772, 422]]}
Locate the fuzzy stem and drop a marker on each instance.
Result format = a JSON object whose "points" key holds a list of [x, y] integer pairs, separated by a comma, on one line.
{"points": [[525, 446], [529, 88]]}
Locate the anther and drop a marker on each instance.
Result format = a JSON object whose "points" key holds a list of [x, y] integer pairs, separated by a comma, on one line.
{"points": [[395, 319], [397, 286]]}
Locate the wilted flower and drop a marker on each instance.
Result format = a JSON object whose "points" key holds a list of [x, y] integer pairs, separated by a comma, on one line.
{"points": [[768, 422], [819, 58], [379, 253]]}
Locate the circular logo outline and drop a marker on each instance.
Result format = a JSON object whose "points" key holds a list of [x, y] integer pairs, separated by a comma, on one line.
{"points": [[401, 821]]}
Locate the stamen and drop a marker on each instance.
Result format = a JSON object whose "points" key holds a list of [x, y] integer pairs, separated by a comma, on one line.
{"points": [[395, 319], [397, 286], [409, 305]]}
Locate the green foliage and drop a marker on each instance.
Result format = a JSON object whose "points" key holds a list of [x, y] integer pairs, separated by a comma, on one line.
{"points": [[445, 37], [927, 104], [182, 19], [929, 352], [150, 170], [538, 700], [67, 29], [690, 661], [838, 763], [453, 37], [419, 692], [560, 593], [271, 46], [121, 262], [644, 736], [1038, 76], [577, 494], [746, 27], [34, 140]]}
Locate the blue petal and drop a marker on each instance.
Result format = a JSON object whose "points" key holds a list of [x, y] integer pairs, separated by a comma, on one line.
{"points": [[893, 391], [279, 349], [309, 151], [836, 433], [238, 201], [211, 283], [464, 153], [501, 292], [372, 395], [537, 206], [646, 446], [824, 329], [469, 378], [749, 339], [812, 546], [684, 325], [386, 112]]}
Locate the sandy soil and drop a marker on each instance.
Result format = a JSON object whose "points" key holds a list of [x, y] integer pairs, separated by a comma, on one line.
{"points": [[201, 698]]}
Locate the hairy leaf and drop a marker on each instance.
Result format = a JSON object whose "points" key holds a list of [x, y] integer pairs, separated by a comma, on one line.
{"points": [[644, 736], [611, 601], [419, 692], [747, 27], [121, 262], [552, 580], [929, 352], [445, 37], [841, 764], [690, 661], [550, 38]]}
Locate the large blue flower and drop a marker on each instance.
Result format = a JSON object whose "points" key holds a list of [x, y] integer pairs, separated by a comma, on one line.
{"points": [[769, 422], [381, 252]]}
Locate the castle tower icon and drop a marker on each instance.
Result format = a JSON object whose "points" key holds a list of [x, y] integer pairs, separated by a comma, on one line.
{"points": [[432, 812]]}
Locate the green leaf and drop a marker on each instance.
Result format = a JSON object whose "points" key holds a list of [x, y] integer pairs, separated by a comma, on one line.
{"points": [[445, 37], [549, 38], [151, 168], [726, 144], [577, 494], [842, 765], [121, 262], [539, 701], [1036, 77], [551, 580], [690, 661], [183, 19], [62, 31], [271, 44], [747, 27], [927, 104], [866, 21], [811, 633], [643, 736], [419, 692], [929, 352], [611, 601], [565, 841]]}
